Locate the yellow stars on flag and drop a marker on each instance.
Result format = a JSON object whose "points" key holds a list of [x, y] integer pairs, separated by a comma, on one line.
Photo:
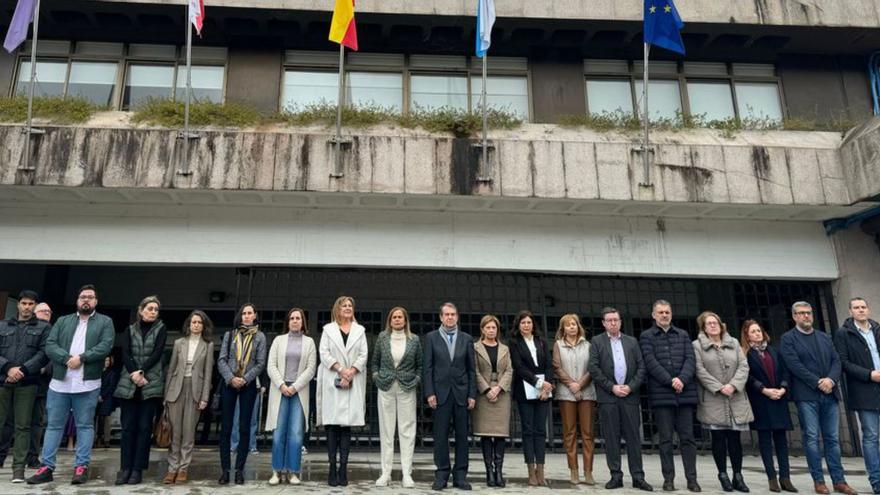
{"points": [[653, 9], [667, 9]]}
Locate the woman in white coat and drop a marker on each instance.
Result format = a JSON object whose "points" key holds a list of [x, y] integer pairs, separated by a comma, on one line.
{"points": [[290, 366], [342, 384]]}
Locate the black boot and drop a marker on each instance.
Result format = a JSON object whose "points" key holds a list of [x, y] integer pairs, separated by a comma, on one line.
{"points": [[726, 485], [136, 477], [123, 476], [739, 484], [344, 448], [498, 451], [486, 446], [332, 444]]}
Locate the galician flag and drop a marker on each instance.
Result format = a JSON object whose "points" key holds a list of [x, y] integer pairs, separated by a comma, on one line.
{"points": [[342, 27], [485, 21], [18, 28], [197, 14]]}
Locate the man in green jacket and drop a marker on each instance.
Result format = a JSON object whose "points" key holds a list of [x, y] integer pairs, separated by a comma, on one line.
{"points": [[77, 346]]}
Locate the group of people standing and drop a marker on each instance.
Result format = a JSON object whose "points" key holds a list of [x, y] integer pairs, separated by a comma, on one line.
{"points": [[730, 386]]}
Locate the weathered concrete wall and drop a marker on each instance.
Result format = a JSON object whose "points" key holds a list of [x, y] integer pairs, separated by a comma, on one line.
{"points": [[860, 157], [858, 258], [849, 13], [772, 168]]}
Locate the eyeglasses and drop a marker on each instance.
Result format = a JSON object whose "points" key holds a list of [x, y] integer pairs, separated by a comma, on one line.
{"points": [[803, 313]]}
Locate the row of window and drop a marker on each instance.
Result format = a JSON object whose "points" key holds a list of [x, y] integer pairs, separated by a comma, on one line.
{"points": [[712, 91]]}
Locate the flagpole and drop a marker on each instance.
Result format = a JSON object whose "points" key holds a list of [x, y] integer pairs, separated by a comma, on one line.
{"points": [[30, 107], [646, 159], [485, 167], [340, 102], [186, 136]]}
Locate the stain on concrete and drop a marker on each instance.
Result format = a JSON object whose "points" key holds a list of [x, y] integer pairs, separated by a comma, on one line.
{"points": [[302, 184], [464, 163], [761, 162], [697, 180]]}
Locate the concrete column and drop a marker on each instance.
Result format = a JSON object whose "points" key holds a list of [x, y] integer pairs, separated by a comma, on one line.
{"points": [[858, 257]]}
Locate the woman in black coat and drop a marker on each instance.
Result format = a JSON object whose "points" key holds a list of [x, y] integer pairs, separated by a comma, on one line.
{"points": [[532, 390], [768, 394]]}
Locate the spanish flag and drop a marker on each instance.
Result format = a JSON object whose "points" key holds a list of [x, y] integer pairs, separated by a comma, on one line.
{"points": [[342, 27]]}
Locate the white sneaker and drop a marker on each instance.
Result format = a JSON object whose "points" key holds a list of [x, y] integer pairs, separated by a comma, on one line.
{"points": [[408, 481], [274, 480], [383, 480], [293, 479]]}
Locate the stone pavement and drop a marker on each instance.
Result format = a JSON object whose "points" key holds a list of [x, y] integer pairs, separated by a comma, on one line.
{"points": [[364, 469]]}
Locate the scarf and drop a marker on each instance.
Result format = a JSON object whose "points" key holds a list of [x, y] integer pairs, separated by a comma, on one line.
{"points": [[244, 339], [759, 347]]}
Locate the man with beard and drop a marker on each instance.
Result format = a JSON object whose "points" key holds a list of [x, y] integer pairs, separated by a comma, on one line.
{"points": [[22, 340], [77, 346]]}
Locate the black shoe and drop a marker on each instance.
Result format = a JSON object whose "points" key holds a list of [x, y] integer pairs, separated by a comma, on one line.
{"points": [[136, 477], [224, 478], [239, 477], [668, 486], [490, 475], [43, 475], [739, 484], [438, 484], [123, 476], [462, 485], [333, 476], [643, 485], [343, 474], [614, 483], [80, 475], [694, 487], [726, 485]]}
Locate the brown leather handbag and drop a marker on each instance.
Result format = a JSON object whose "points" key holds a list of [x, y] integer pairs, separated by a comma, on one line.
{"points": [[162, 431]]}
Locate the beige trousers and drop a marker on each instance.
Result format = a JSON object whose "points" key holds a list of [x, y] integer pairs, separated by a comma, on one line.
{"points": [[397, 408], [184, 416]]}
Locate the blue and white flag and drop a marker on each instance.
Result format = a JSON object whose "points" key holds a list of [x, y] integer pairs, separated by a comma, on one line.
{"points": [[485, 21]]}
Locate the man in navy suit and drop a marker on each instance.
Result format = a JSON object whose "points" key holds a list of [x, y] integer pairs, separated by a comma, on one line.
{"points": [[451, 392], [815, 370]]}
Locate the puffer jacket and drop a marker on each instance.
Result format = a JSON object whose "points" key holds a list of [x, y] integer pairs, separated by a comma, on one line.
{"points": [[716, 367], [668, 355]]}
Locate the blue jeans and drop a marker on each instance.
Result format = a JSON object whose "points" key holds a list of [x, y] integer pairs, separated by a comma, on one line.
{"points": [[58, 406], [255, 418], [870, 421], [815, 416], [287, 440]]}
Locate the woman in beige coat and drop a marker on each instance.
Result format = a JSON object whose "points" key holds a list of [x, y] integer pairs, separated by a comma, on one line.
{"points": [[575, 394], [722, 373], [290, 365], [187, 391], [491, 416]]}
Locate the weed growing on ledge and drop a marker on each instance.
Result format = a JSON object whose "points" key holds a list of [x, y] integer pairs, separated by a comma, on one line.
{"points": [[170, 113], [55, 109]]}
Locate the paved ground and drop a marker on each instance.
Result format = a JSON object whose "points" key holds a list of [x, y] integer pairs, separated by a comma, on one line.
{"points": [[364, 470]]}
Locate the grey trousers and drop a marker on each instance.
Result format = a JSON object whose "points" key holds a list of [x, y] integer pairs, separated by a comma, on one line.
{"points": [[184, 416]]}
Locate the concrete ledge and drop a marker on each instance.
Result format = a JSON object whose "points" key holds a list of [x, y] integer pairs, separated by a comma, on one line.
{"points": [[860, 157]]}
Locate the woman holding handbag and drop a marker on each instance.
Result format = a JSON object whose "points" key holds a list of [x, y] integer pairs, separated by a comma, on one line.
{"points": [[290, 366], [141, 386], [187, 391]]}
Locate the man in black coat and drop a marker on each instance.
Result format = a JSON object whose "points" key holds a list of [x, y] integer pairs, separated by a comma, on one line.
{"points": [[617, 370], [451, 391], [671, 368], [857, 343]]}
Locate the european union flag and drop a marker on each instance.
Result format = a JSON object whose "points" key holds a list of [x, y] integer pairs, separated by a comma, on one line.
{"points": [[663, 25]]}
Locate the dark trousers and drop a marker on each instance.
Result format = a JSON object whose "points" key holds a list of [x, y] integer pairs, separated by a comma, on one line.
{"points": [[533, 416], [137, 432], [766, 440], [18, 403], [679, 420], [229, 397], [621, 420], [38, 424], [727, 443], [451, 413]]}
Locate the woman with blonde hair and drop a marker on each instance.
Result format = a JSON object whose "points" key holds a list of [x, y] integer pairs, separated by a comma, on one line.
{"points": [[397, 371], [491, 416], [342, 384], [722, 374], [575, 394], [290, 366]]}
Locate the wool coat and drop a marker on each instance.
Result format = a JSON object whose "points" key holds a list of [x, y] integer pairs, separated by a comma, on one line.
{"points": [[492, 419], [769, 414], [275, 364], [718, 366], [855, 358], [338, 406]]}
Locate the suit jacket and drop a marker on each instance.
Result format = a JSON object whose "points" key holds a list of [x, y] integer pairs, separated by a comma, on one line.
{"points": [[444, 376], [806, 368], [407, 374], [524, 368], [601, 367], [203, 366]]}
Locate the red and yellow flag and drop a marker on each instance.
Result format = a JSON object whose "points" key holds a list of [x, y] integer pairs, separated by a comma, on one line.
{"points": [[342, 27]]}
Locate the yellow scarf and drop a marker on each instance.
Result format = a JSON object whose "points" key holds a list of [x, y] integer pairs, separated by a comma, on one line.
{"points": [[244, 338]]}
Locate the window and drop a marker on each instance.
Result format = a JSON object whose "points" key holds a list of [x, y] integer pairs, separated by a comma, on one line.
{"points": [[664, 99], [206, 83], [304, 88], [609, 96], [711, 100], [758, 101], [510, 94], [374, 89], [430, 92], [49, 79], [147, 81], [93, 81]]}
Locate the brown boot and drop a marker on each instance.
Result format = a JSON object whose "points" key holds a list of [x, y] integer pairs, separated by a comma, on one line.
{"points": [[774, 485], [533, 480], [588, 478], [169, 478], [181, 476], [845, 489], [539, 475], [574, 477], [786, 485], [820, 488]]}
